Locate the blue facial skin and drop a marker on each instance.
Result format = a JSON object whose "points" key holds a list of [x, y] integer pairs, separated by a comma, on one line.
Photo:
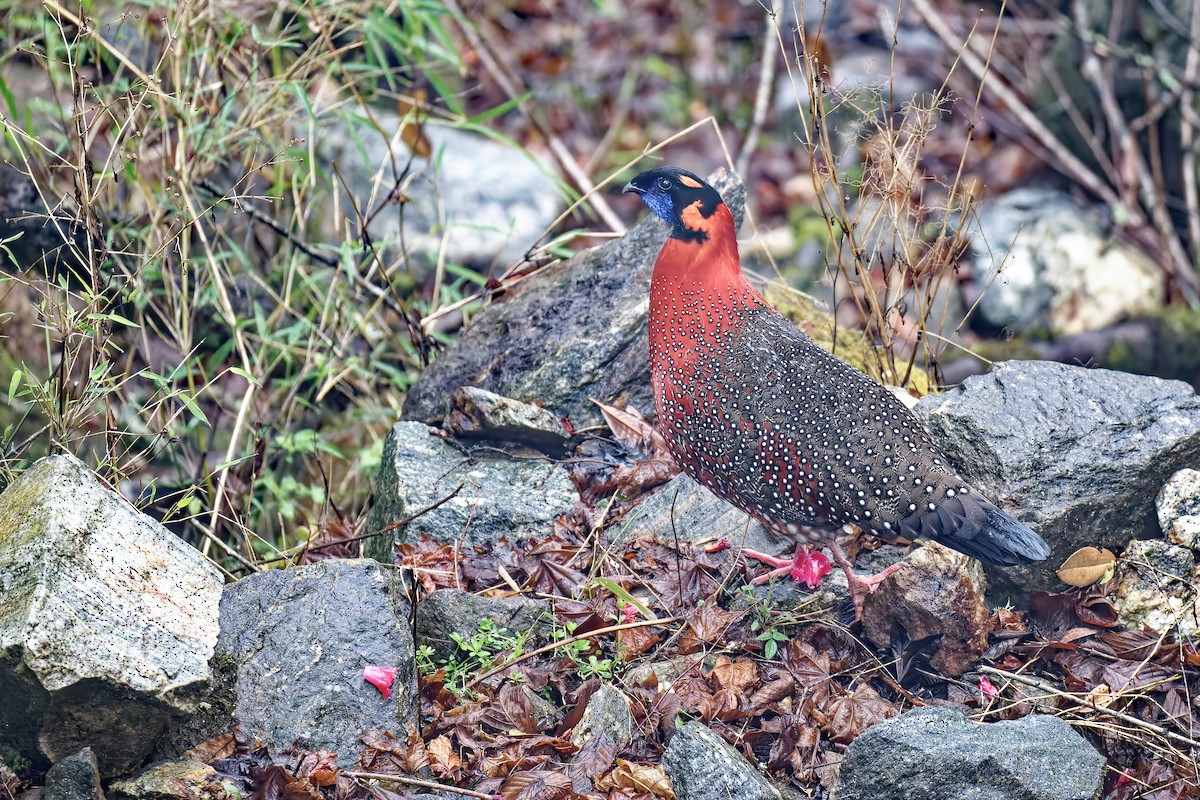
{"points": [[660, 204]]}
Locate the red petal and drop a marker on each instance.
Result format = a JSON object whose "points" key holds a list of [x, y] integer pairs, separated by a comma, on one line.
{"points": [[988, 688], [810, 568], [381, 678]]}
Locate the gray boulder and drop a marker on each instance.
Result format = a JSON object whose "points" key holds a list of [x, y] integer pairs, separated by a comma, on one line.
{"points": [[76, 777], [1042, 260], [569, 333], [293, 646], [702, 766], [938, 754], [1078, 454], [500, 495], [107, 621], [685, 508]]}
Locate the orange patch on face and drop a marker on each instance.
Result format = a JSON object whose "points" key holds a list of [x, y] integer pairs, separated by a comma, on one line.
{"points": [[693, 219], [690, 182]]}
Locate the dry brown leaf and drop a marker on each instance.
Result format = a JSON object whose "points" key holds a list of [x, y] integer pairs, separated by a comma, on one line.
{"points": [[637, 777], [635, 641], [222, 746], [708, 624], [444, 762], [628, 426], [1087, 566], [739, 676]]}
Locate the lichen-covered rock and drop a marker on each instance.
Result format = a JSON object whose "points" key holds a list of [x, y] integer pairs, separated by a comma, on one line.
{"points": [[1178, 507], [500, 495], [938, 754], [182, 779], [702, 766], [107, 621], [935, 592], [607, 714], [1076, 454], [1155, 588]]}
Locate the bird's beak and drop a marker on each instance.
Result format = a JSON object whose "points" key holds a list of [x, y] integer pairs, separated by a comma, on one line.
{"points": [[631, 187]]}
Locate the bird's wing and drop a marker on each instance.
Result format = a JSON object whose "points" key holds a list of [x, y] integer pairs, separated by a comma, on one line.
{"points": [[835, 446]]}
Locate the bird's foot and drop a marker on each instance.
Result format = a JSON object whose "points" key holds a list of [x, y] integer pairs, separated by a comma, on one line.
{"points": [[859, 586], [804, 567]]}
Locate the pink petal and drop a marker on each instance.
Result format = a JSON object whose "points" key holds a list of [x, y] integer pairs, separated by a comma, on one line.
{"points": [[629, 612], [381, 678], [810, 568], [988, 688]]}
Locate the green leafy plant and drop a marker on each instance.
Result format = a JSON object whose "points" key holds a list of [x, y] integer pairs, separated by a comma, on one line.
{"points": [[587, 663], [489, 647]]}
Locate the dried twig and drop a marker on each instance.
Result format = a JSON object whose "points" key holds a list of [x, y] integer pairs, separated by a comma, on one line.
{"points": [[1043, 686], [762, 98], [1187, 129], [441, 787], [1131, 158], [391, 526]]}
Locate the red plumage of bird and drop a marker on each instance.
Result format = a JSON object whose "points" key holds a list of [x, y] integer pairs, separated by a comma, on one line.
{"points": [[756, 411]]}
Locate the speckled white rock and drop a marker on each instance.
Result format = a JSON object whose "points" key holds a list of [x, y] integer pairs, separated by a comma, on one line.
{"points": [[107, 620], [1155, 588], [1041, 259], [1178, 507]]}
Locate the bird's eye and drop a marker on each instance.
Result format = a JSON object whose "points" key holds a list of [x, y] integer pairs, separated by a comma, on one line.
{"points": [[664, 183]]}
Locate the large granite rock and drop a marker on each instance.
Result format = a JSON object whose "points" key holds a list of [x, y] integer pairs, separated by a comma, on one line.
{"points": [[572, 332], [938, 754], [291, 654], [107, 621], [1078, 454]]}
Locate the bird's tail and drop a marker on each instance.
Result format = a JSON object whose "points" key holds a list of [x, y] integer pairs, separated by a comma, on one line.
{"points": [[1006, 541], [970, 524]]}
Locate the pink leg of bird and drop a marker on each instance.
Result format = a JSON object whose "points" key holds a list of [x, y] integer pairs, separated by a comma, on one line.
{"points": [[809, 568]]}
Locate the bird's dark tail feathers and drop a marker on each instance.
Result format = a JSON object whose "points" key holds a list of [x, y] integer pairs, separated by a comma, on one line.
{"points": [[970, 524], [1006, 542]]}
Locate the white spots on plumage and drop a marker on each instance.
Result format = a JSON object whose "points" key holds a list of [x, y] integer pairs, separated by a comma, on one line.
{"points": [[754, 410]]}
